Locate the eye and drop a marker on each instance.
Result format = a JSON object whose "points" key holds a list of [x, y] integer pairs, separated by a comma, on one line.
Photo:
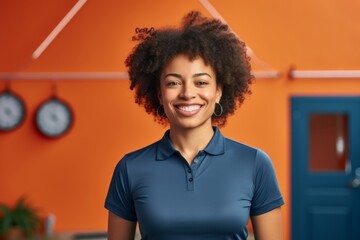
{"points": [[172, 83], [201, 83]]}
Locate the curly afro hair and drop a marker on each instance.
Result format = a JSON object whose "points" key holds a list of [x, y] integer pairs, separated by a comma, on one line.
{"points": [[197, 36]]}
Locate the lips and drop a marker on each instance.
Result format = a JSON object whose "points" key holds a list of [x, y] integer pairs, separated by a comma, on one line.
{"points": [[188, 109]]}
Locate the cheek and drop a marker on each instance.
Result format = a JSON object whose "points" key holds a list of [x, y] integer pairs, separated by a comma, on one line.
{"points": [[167, 96], [210, 96]]}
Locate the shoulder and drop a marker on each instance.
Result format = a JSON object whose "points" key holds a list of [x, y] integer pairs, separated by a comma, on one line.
{"points": [[138, 157], [256, 157], [147, 151], [240, 149]]}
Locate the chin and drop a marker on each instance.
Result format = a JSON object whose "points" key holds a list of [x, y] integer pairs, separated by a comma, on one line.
{"points": [[189, 125]]}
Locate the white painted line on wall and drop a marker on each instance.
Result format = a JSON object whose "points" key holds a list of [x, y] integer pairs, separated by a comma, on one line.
{"points": [[58, 29], [96, 75], [212, 10], [324, 74]]}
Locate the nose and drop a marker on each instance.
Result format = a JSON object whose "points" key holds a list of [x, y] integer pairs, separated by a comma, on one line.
{"points": [[187, 91]]}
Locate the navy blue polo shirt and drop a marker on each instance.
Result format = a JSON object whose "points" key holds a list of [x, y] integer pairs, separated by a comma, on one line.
{"points": [[212, 199]]}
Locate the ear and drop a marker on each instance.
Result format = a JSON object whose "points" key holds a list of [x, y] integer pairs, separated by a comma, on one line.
{"points": [[218, 93]]}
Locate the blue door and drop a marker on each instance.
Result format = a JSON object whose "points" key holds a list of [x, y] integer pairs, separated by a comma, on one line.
{"points": [[325, 168]]}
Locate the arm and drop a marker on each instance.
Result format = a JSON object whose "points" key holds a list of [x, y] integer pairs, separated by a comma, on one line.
{"points": [[268, 226], [119, 228]]}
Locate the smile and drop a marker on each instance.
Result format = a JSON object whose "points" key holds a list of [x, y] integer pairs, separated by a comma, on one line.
{"points": [[188, 110]]}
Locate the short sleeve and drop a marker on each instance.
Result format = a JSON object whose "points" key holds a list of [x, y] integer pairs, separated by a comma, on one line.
{"points": [[119, 198], [267, 195]]}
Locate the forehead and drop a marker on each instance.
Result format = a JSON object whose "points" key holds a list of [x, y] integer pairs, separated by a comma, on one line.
{"points": [[183, 63]]}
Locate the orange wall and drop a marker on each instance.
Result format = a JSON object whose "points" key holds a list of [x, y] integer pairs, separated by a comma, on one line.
{"points": [[69, 176]]}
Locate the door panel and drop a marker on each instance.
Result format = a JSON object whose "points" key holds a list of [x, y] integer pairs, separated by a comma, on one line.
{"points": [[325, 161], [335, 216]]}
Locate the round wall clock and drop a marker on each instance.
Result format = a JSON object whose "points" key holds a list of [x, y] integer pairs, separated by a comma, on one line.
{"points": [[12, 111], [53, 118]]}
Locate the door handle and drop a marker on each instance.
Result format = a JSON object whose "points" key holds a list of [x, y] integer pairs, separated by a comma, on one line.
{"points": [[355, 183]]}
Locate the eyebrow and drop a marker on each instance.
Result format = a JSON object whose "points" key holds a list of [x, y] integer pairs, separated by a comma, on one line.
{"points": [[179, 75]]}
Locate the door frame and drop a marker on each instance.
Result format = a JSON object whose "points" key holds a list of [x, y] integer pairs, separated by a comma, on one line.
{"points": [[299, 109]]}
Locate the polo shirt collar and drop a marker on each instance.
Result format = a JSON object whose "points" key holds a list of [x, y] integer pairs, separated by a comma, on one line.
{"points": [[216, 145], [165, 147]]}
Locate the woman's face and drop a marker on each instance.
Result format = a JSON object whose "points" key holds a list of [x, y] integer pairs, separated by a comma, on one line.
{"points": [[188, 92]]}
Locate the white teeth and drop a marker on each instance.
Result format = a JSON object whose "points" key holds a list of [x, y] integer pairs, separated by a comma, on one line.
{"points": [[189, 108]]}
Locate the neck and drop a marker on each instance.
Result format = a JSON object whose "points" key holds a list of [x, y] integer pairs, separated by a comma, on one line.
{"points": [[190, 141]]}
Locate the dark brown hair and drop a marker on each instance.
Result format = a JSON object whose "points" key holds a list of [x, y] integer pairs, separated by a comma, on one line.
{"points": [[197, 36]]}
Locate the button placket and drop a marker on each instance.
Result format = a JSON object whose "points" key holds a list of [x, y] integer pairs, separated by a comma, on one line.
{"points": [[190, 170], [189, 179]]}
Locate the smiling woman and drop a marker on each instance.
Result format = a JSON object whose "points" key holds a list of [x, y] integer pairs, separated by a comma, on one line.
{"points": [[197, 37], [194, 183], [188, 92]]}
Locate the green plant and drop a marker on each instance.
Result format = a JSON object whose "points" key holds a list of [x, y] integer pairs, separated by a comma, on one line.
{"points": [[22, 216]]}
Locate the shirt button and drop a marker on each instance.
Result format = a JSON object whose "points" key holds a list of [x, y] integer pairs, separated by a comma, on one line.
{"points": [[196, 160], [189, 171], [190, 179]]}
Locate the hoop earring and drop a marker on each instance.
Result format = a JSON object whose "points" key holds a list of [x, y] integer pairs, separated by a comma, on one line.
{"points": [[160, 111], [221, 110]]}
